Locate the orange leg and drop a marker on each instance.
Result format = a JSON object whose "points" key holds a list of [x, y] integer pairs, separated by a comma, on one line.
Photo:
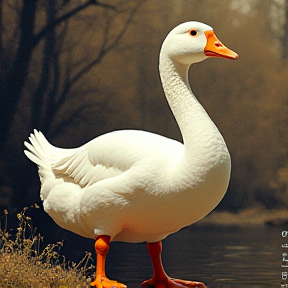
{"points": [[101, 281], [160, 278]]}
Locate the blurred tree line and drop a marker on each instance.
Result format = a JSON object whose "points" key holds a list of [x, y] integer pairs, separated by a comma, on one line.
{"points": [[78, 69]]}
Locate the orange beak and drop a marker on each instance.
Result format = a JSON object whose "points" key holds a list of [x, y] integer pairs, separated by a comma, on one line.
{"points": [[214, 48]]}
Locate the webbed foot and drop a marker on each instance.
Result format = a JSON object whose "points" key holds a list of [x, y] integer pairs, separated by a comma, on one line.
{"points": [[171, 283], [104, 282], [160, 278], [101, 281]]}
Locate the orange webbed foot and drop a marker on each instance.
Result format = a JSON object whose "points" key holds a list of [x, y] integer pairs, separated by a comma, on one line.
{"points": [[171, 283], [188, 284], [101, 281], [104, 282], [160, 278]]}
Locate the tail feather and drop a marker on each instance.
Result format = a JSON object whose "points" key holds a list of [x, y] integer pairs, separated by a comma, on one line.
{"points": [[39, 149]]}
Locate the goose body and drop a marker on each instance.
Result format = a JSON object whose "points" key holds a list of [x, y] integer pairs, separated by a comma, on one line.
{"points": [[136, 186]]}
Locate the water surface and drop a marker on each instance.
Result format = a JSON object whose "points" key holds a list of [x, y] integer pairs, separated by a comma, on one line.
{"points": [[219, 256]]}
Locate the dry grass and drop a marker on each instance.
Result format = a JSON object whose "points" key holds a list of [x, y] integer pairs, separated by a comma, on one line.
{"points": [[22, 264]]}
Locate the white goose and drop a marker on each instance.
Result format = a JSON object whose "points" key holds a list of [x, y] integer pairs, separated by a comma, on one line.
{"points": [[136, 186]]}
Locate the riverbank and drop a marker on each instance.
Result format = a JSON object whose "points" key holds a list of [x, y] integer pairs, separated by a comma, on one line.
{"points": [[251, 216]]}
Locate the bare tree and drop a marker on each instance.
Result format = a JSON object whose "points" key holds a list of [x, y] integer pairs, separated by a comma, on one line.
{"points": [[43, 79], [47, 100], [14, 77]]}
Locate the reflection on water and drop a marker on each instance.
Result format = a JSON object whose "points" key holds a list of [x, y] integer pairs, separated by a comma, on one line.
{"points": [[216, 255]]}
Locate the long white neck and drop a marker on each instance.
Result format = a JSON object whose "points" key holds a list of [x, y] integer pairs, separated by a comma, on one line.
{"points": [[198, 130]]}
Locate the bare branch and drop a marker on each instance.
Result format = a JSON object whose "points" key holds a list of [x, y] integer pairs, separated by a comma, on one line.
{"points": [[66, 16], [105, 50], [77, 114]]}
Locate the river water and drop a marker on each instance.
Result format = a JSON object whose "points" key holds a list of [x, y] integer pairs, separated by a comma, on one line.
{"points": [[219, 256]]}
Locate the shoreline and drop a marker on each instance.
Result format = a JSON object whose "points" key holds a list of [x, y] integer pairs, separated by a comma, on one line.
{"points": [[250, 216]]}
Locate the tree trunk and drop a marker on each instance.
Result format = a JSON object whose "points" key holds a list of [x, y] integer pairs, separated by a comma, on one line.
{"points": [[37, 103], [285, 35], [12, 85]]}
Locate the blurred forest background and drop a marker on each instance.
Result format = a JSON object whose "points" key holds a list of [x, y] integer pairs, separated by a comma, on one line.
{"points": [[78, 69]]}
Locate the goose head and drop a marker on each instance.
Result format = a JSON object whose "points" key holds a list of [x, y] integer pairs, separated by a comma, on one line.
{"points": [[192, 42]]}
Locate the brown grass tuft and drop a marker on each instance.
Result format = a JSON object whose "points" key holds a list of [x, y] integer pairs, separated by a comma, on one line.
{"points": [[22, 264]]}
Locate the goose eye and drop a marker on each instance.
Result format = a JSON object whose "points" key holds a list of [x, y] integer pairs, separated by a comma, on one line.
{"points": [[193, 32]]}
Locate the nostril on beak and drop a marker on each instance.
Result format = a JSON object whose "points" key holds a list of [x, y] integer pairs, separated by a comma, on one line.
{"points": [[217, 44]]}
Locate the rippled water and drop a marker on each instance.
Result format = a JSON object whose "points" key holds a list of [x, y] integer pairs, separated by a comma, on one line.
{"points": [[216, 255]]}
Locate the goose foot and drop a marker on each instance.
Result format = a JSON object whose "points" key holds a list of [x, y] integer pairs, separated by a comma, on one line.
{"points": [[171, 283], [101, 281], [104, 282], [160, 278]]}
